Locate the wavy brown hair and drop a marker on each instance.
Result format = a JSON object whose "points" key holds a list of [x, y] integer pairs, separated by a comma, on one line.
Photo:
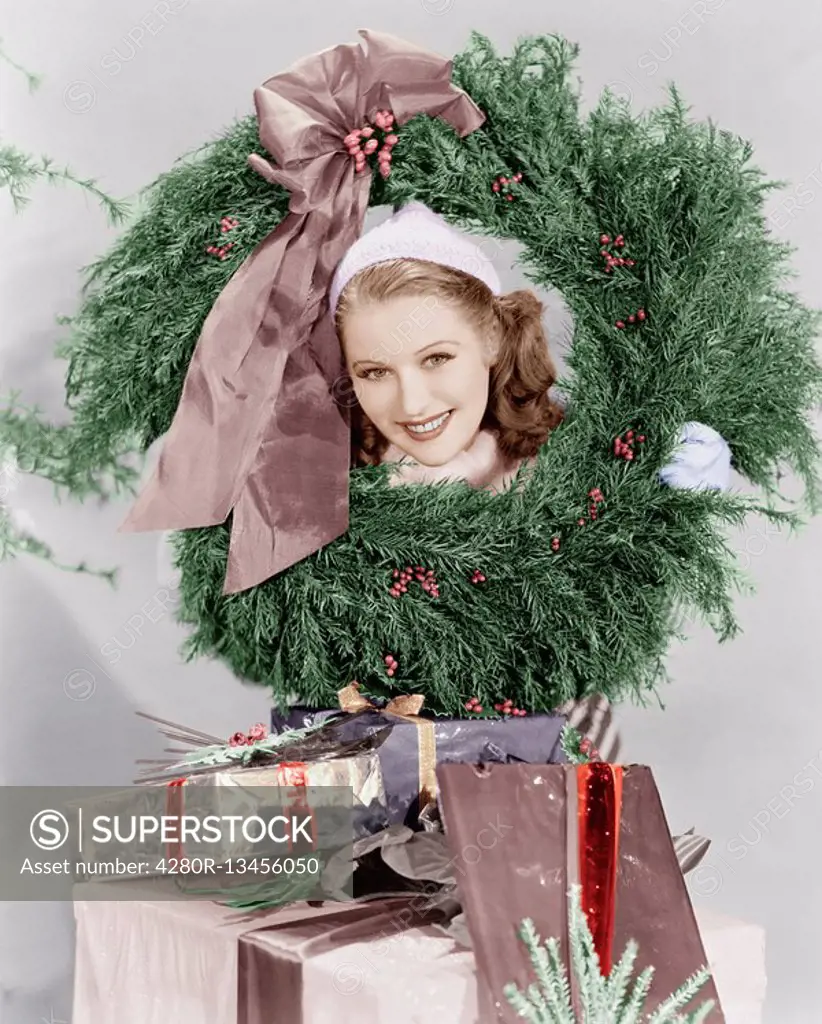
{"points": [[520, 410]]}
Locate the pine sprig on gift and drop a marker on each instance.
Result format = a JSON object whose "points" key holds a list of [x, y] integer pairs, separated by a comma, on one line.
{"points": [[251, 752], [724, 342], [604, 1000], [576, 747]]}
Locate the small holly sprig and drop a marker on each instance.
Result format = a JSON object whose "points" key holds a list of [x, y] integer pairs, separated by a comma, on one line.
{"points": [[243, 747], [246, 739], [576, 747]]}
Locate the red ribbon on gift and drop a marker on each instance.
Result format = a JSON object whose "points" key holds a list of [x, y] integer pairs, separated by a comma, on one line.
{"points": [[599, 807], [292, 775], [174, 809]]}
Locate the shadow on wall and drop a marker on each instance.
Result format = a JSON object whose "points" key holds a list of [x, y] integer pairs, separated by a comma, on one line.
{"points": [[52, 736], [53, 733]]}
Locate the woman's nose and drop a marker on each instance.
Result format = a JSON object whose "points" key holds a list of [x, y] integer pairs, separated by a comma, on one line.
{"points": [[414, 396]]}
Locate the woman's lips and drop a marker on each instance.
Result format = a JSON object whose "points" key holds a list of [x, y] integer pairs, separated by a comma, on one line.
{"points": [[429, 435]]}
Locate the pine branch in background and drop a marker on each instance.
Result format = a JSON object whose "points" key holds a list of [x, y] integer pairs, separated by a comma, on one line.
{"points": [[33, 448], [34, 80], [19, 172], [41, 449], [29, 443], [16, 540], [603, 1000]]}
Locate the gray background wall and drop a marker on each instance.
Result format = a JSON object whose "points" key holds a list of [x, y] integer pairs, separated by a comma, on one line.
{"points": [[128, 87]]}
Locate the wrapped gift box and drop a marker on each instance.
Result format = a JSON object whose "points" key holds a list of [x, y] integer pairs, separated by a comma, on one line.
{"points": [[535, 831], [236, 789], [156, 956], [414, 741]]}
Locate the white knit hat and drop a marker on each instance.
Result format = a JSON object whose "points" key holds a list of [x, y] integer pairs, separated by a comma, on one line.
{"points": [[414, 232]]}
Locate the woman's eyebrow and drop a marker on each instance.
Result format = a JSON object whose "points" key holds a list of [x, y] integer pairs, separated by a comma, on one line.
{"points": [[442, 341], [361, 362]]}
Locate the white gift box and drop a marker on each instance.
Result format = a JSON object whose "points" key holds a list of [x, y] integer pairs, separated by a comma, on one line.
{"points": [[173, 958]]}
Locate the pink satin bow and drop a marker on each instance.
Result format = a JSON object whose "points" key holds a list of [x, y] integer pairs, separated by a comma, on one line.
{"points": [[257, 431]]}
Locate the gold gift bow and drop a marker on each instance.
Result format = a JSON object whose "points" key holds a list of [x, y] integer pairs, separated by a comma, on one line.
{"points": [[406, 706]]}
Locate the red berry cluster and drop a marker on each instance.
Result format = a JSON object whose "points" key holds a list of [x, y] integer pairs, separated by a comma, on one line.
{"points": [[226, 224], [243, 739], [478, 577], [502, 185], [637, 317], [587, 747], [391, 664], [596, 498], [383, 121], [612, 261], [425, 577], [624, 445], [555, 543], [506, 707]]}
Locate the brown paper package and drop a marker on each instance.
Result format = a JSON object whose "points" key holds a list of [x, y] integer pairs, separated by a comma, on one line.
{"points": [[512, 830]]}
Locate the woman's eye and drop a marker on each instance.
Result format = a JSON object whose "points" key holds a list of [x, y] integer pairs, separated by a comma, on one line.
{"points": [[379, 373]]}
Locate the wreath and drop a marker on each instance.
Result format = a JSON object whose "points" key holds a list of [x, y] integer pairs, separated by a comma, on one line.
{"points": [[652, 228]]}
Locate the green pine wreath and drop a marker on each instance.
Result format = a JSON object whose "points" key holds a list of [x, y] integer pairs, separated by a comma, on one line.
{"points": [[724, 342]]}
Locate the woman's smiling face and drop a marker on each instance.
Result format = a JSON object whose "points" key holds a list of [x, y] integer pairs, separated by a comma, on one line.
{"points": [[420, 371]]}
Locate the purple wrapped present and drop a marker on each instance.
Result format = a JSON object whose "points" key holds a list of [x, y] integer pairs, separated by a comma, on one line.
{"points": [[417, 743]]}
